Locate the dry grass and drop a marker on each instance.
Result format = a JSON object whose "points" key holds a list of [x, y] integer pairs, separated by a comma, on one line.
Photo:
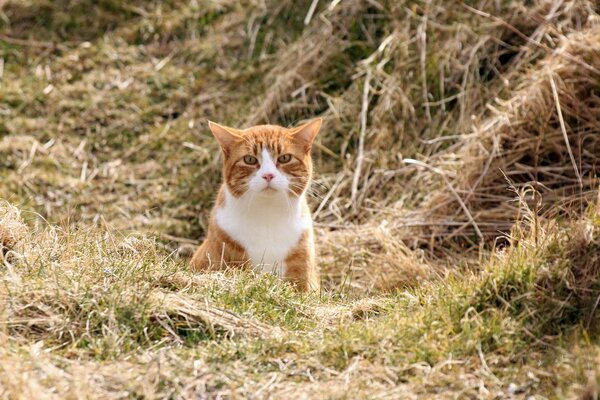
{"points": [[456, 198], [12, 227], [526, 141]]}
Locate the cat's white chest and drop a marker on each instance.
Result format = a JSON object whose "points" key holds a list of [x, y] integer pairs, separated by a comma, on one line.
{"points": [[268, 227]]}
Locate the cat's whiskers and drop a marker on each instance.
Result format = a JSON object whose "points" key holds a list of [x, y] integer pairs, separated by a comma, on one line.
{"points": [[306, 189], [302, 183]]}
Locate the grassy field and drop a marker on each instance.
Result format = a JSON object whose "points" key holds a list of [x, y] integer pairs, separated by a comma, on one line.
{"points": [[455, 198]]}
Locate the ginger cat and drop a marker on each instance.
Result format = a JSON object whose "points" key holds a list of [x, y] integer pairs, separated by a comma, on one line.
{"points": [[261, 218]]}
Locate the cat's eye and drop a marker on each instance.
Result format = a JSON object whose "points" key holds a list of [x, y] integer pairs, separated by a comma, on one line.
{"points": [[286, 158], [250, 160]]}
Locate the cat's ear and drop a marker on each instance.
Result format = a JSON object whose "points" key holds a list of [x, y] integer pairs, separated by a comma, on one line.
{"points": [[225, 135], [305, 134]]}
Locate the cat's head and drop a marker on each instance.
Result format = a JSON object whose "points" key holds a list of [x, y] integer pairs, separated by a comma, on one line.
{"points": [[267, 159]]}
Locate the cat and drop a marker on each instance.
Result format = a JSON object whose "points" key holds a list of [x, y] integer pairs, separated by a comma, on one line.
{"points": [[261, 218]]}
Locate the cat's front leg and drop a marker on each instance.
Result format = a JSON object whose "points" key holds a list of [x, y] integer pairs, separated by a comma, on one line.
{"points": [[218, 253], [300, 265], [200, 260]]}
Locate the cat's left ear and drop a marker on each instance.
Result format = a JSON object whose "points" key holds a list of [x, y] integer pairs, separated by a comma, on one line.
{"points": [[226, 136], [305, 134]]}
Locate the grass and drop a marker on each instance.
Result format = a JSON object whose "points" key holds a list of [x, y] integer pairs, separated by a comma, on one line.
{"points": [[87, 300], [108, 173]]}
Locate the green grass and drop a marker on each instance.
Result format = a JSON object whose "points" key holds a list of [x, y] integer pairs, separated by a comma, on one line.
{"points": [[99, 297]]}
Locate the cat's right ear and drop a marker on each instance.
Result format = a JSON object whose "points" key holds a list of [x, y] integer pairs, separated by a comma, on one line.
{"points": [[225, 135]]}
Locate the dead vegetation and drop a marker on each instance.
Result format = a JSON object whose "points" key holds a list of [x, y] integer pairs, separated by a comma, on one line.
{"points": [[189, 314], [12, 229], [543, 135], [455, 198]]}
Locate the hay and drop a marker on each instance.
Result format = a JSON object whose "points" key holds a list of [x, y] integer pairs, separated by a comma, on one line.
{"points": [[301, 63], [465, 70], [371, 259], [545, 135]]}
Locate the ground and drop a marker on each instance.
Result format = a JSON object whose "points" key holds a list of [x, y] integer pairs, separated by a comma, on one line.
{"points": [[455, 198]]}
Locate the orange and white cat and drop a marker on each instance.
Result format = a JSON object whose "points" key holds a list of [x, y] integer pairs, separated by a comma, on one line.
{"points": [[261, 218]]}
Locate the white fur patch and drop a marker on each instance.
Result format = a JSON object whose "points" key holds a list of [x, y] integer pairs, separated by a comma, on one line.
{"points": [[268, 226]]}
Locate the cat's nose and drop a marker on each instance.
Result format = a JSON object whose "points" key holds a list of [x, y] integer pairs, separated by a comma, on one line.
{"points": [[268, 177]]}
